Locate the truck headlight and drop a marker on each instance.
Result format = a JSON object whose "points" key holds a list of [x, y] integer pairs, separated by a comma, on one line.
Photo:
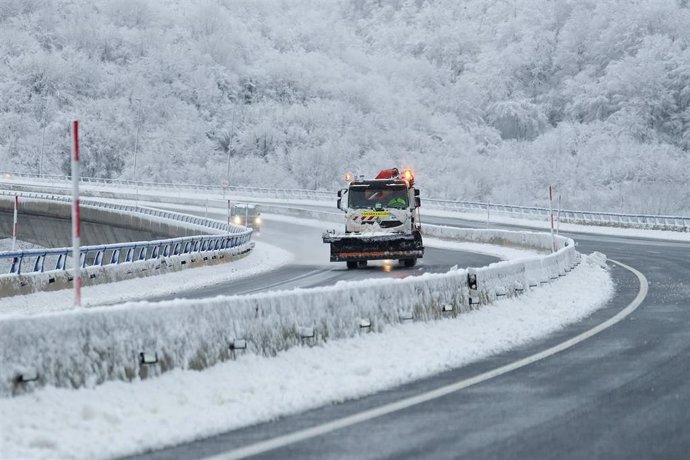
{"points": [[237, 220], [257, 220]]}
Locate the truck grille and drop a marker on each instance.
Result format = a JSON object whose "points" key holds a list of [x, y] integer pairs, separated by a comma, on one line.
{"points": [[390, 223]]}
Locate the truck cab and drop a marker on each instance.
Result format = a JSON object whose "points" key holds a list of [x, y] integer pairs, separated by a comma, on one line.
{"points": [[382, 220], [380, 205]]}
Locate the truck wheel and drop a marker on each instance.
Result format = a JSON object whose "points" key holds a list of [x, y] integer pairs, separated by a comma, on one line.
{"points": [[352, 264], [410, 262]]}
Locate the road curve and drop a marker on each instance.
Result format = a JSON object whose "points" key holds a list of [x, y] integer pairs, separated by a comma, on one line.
{"points": [[622, 393], [311, 267]]}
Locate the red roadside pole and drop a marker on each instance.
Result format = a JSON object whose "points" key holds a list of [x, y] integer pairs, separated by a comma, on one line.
{"points": [[14, 221], [553, 238], [76, 226]]}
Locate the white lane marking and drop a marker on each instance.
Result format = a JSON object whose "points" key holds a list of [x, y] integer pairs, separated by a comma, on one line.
{"points": [[287, 281], [302, 435]]}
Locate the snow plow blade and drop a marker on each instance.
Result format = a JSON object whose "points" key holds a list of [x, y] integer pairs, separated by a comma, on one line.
{"points": [[352, 247]]}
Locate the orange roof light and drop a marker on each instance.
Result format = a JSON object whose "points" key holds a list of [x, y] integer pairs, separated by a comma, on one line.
{"points": [[408, 175], [348, 177]]}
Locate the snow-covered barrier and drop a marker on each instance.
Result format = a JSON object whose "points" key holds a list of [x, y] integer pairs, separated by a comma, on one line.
{"points": [[525, 239], [132, 341], [507, 279], [52, 280], [88, 347]]}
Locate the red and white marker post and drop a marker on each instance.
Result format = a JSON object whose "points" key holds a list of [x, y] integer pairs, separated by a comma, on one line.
{"points": [[76, 225], [488, 214], [553, 238], [14, 221], [558, 216]]}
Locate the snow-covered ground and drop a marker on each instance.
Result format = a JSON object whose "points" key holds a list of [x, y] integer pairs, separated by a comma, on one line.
{"points": [[119, 418], [263, 258]]}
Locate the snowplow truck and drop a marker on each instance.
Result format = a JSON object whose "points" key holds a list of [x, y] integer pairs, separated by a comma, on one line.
{"points": [[382, 220]]}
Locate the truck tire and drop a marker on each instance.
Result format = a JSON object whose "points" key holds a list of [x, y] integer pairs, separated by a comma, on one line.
{"points": [[352, 264], [409, 262]]}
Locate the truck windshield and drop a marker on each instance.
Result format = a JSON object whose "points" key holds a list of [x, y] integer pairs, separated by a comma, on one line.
{"points": [[373, 198]]}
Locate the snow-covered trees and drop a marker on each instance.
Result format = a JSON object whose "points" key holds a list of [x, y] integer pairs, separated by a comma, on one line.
{"points": [[486, 99]]}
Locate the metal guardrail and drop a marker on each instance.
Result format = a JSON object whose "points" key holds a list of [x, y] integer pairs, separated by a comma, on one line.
{"points": [[119, 253], [645, 221]]}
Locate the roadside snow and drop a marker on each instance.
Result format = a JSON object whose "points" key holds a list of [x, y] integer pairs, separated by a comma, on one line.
{"points": [[502, 252], [116, 418], [264, 257]]}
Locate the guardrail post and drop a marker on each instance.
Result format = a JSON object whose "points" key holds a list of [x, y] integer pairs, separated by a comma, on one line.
{"points": [[60, 263], [38, 265], [16, 267], [473, 290]]}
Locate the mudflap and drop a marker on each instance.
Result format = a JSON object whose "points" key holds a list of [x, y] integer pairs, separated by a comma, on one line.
{"points": [[355, 247]]}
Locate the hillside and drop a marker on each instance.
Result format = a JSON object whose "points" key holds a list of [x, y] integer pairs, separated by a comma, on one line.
{"points": [[486, 100]]}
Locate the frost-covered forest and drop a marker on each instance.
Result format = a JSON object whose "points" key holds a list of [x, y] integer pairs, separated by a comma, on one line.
{"points": [[485, 99]]}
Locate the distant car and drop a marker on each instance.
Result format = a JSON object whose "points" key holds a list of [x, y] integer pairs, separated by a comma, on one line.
{"points": [[247, 215]]}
